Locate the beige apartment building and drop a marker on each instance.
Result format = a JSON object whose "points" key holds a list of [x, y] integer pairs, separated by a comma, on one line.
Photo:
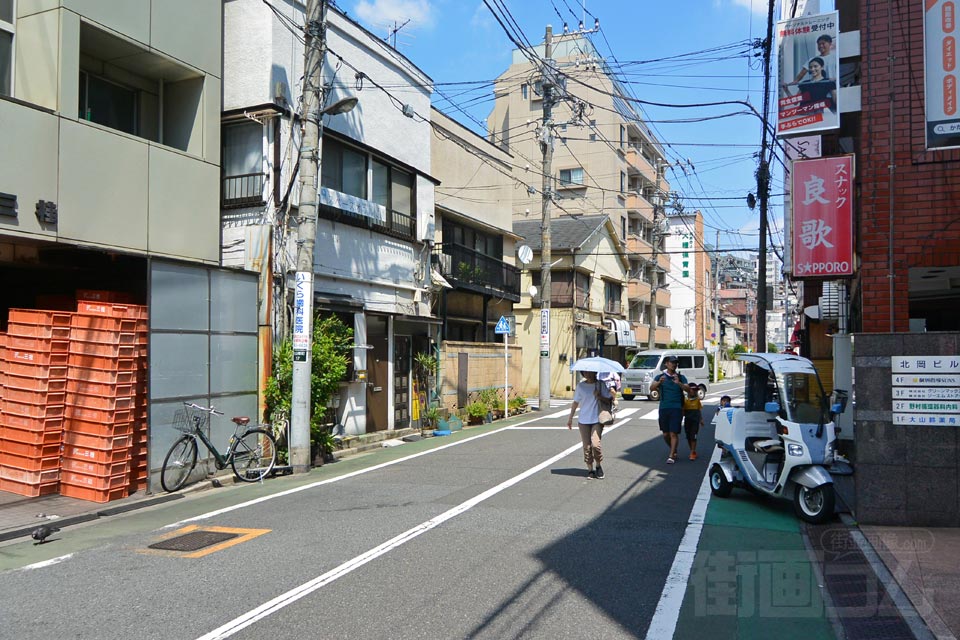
{"points": [[606, 162]]}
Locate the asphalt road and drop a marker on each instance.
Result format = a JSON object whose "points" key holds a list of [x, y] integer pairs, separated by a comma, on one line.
{"points": [[494, 533]]}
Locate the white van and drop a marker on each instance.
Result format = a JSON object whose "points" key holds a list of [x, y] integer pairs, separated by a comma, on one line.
{"points": [[692, 363]]}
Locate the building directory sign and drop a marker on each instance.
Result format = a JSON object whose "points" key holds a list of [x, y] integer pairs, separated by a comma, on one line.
{"points": [[809, 70], [926, 390]]}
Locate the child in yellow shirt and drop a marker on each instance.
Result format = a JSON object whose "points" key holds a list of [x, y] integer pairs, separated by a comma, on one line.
{"points": [[692, 417]]}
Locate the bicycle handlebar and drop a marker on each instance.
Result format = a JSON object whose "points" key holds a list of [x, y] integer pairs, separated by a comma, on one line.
{"points": [[209, 410]]}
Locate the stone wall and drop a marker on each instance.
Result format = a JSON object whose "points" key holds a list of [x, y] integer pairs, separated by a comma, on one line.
{"points": [[484, 370], [905, 475]]}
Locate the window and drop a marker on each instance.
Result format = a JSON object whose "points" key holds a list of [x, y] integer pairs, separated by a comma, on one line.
{"points": [[623, 182], [392, 188], [6, 47], [571, 177], [612, 292], [108, 103], [525, 91], [242, 164], [623, 136], [344, 169]]}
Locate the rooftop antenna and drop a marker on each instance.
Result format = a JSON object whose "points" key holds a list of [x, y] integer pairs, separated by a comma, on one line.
{"points": [[392, 32]]}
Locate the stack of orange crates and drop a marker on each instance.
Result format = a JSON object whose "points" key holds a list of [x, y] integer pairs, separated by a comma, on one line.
{"points": [[103, 381], [32, 407]]}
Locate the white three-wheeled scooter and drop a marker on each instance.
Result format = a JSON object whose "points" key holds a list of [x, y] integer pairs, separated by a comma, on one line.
{"points": [[783, 439]]}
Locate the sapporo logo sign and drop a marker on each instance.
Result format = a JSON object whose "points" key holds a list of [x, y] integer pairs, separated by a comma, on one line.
{"points": [[822, 235]]}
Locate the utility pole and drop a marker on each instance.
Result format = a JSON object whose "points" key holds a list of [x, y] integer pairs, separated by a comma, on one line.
{"points": [[316, 43], [716, 309], [546, 149], [763, 188], [657, 236]]}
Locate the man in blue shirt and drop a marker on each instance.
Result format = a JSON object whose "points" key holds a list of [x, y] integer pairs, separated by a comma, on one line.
{"points": [[671, 385]]}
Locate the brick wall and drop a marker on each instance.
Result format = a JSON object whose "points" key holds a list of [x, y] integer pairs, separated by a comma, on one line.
{"points": [[905, 475], [484, 369], [926, 184]]}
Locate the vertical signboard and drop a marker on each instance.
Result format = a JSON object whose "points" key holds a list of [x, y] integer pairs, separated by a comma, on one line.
{"points": [[822, 233], [544, 333], [940, 73], [808, 74], [301, 312]]}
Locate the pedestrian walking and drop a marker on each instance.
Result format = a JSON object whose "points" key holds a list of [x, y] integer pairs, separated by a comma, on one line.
{"points": [[692, 417], [671, 385], [591, 431]]}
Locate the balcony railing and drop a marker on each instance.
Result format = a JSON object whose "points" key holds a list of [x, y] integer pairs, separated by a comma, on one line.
{"points": [[242, 191], [469, 269]]}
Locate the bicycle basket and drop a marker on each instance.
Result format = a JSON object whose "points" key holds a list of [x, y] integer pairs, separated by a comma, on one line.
{"points": [[186, 419]]}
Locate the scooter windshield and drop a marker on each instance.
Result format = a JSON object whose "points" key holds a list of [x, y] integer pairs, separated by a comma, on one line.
{"points": [[802, 398]]}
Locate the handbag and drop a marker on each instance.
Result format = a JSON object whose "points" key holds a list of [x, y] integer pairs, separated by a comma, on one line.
{"points": [[605, 415]]}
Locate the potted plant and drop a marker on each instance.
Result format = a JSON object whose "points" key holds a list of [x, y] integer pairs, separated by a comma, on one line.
{"points": [[430, 418], [517, 405], [491, 398], [477, 411]]}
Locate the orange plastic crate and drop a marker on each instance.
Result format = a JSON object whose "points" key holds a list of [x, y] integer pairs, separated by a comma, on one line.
{"points": [[106, 416], [103, 456], [131, 311], [108, 323], [99, 376], [37, 344], [106, 443], [34, 398], [95, 468], [92, 495], [104, 337], [42, 358], [28, 423], [55, 385], [29, 463], [100, 429], [27, 450], [103, 403], [29, 477], [27, 410], [103, 350], [46, 331], [104, 363], [28, 489], [93, 481], [29, 370], [39, 316], [99, 389], [40, 437]]}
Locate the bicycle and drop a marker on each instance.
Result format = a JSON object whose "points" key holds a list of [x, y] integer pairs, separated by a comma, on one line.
{"points": [[251, 453]]}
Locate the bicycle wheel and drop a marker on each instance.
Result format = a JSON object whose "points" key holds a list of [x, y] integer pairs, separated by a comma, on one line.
{"points": [[180, 461], [254, 454]]}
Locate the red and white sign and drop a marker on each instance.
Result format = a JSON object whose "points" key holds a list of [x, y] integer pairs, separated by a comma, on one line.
{"points": [[822, 235]]}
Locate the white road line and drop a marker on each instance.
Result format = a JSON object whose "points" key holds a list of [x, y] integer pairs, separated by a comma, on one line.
{"points": [[622, 414], [283, 600], [664, 621], [653, 415], [312, 485], [46, 563]]}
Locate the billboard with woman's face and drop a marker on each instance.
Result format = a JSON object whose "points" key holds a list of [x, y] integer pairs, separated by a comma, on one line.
{"points": [[808, 74]]}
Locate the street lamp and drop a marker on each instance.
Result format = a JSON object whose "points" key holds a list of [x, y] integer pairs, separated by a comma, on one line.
{"points": [[310, 158]]}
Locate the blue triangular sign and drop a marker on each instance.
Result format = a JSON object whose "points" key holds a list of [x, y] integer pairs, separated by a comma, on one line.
{"points": [[502, 326]]}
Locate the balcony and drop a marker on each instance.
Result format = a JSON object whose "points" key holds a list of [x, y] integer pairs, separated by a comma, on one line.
{"points": [[636, 202], [636, 244], [638, 290], [638, 164], [470, 270], [242, 191]]}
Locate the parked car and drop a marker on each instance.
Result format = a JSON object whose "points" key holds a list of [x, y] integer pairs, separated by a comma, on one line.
{"points": [[646, 364]]}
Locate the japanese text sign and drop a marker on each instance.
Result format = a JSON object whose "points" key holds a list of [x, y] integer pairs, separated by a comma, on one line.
{"points": [[808, 74], [822, 234]]}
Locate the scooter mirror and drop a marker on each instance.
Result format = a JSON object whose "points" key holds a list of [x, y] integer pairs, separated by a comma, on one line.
{"points": [[772, 407]]}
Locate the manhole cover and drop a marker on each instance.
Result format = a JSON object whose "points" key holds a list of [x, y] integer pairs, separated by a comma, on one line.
{"points": [[193, 541]]}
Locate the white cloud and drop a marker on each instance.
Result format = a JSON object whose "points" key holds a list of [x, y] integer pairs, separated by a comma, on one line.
{"points": [[482, 18], [381, 12]]}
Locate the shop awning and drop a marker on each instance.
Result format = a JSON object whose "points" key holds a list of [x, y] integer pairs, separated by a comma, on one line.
{"points": [[621, 332]]}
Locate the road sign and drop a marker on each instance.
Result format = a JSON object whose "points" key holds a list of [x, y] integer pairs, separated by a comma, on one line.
{"points": [[503, 326]]}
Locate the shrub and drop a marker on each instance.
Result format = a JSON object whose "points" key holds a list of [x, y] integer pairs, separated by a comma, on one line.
{"points": [[477, 409]]}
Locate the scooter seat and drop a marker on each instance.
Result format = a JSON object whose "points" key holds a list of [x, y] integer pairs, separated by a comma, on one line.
{"points": [[767, 446]]}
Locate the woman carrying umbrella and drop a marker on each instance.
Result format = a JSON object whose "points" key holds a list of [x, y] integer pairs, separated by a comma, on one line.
{"points": [[586, 398]]}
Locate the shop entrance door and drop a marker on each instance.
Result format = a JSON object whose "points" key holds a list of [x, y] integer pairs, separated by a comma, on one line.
{"points": [[401, 381], [378, 384]]}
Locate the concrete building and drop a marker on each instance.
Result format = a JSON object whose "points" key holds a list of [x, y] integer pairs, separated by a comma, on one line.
{"points": [[691, 314], [475, 258], [606, 163], [109, 180], [376, 196]]}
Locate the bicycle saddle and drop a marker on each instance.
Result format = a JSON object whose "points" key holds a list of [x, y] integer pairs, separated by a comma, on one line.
{"points": [[241, 420]]}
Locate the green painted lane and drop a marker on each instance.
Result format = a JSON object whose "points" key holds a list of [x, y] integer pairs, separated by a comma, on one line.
{"points": [[752, 576]]}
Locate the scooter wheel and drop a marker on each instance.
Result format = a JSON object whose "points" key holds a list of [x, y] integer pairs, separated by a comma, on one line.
{"points": [[719, 484], [814, 505]]}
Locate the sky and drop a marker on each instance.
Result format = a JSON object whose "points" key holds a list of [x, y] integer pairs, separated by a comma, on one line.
{"points": [[713, 159]]}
